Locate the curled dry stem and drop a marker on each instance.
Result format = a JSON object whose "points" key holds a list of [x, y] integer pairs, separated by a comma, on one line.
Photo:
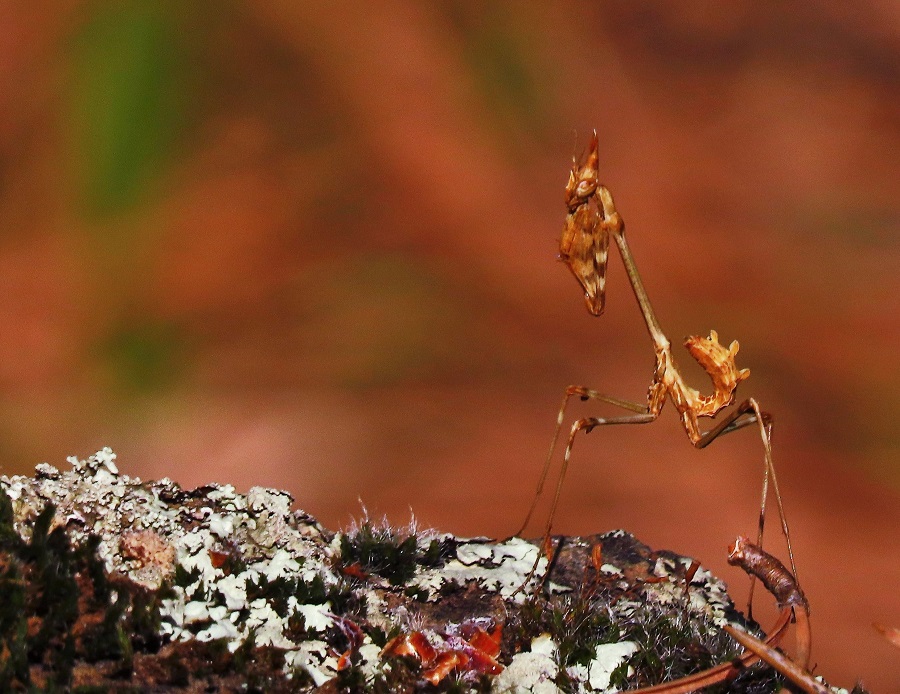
{"points": [[782, 584], [779, 581], [778, 660]]}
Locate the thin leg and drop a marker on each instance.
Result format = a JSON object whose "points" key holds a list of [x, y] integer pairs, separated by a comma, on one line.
{"points": [[584, 394], [587, 424], [745, 414]]}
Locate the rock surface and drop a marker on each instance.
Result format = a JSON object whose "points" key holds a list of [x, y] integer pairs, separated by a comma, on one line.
{"points": [[109, 581]]}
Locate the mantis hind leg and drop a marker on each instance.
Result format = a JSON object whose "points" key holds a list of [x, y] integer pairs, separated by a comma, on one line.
{"points": [[587, 424], [745, 414], [585, 394]]}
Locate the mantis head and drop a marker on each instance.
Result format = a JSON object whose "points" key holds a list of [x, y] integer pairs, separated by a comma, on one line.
{"points": [[584, 178], [584, 243]]}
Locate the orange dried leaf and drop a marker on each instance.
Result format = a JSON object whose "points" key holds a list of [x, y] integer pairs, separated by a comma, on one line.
{"points": [[482, 662], [446, 663], [354, 570], [344, 661], [423, 648], [217, 559], [484, 642], [399, 645]]}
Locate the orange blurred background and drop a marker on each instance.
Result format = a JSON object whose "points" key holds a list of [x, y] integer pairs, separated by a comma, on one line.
{"points": [[274, 244]]}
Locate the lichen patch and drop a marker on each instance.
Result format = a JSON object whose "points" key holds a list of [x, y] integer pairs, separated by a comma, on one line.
{"points": [[181, 581], [498, 567]]}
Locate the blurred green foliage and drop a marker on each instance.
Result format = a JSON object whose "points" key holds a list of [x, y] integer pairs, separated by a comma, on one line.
{"points": [[127, 99], [504, 66], [145, 356]]}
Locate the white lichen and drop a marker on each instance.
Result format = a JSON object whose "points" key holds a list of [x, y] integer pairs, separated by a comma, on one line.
{"points": [[502, 567], [534, 671], [226, 548], [313, 658], [707, 595], [609, 657], [147, 532]]}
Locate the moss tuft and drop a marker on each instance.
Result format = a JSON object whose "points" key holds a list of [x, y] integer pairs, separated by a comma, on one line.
{"points": [[59, 606], [671, 641], [391, 553], [381, 551]]}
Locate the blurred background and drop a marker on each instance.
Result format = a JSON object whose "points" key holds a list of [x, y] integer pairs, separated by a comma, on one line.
{"points": [[314, 249]]}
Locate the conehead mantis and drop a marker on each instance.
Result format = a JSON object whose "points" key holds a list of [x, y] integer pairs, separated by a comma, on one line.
{"points": [[591, 221]]}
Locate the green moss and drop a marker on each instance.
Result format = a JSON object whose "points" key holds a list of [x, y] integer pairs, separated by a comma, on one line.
{"points": [[8, 535], [13, 628], [390, 553], [234, 563], [352, 678], [378, 635], [96, 569], [404, 676], [381, 551], [438, 553], [672, 642], [40, 586], [104, 641], [278, 591], [184, 578], [52, 591], [144, 619], [576, 623], [419, 594]]}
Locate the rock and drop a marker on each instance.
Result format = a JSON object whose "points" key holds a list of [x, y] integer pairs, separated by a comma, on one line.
{"points": [[113, 582]]}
